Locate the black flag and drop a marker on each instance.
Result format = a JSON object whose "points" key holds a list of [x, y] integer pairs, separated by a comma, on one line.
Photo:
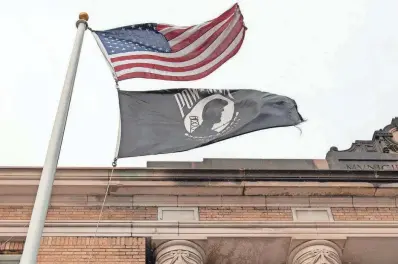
{"points": [[168, 121]]}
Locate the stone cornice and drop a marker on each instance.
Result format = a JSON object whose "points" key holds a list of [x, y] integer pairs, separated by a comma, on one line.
{"points": [[203, 174], [206, 229], [189, 201], [83, 187], [203, 182]]}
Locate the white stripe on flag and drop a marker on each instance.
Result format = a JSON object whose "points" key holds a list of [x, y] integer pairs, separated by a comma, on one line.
{"points": [[203, 56], [187, 34], [202, 69], [184, 51], [171, 28]]}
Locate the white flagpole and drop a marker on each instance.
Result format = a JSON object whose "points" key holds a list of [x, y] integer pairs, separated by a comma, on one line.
{"points": [[43, 196]]}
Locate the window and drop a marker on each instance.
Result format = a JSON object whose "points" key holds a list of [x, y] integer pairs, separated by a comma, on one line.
{"points": [[178, 214], [312, 215]]}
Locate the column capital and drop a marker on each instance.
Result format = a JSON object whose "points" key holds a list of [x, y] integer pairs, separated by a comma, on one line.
{"points": [[316, 252], [179, 252]]}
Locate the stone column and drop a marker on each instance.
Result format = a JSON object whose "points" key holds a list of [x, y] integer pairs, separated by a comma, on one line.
{"points": [[179, 252], [316, 252]]}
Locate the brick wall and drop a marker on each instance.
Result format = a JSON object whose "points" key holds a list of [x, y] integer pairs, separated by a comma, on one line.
{"points": [[245, 213], [71, 250], [207, 213], [81, 213], [285, 214], [365, 214]]}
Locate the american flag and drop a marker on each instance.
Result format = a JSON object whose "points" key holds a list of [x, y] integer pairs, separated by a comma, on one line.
{"points": [[167, 52]]}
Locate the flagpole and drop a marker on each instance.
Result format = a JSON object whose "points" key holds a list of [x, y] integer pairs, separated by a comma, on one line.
{"points": [[43, 196]]}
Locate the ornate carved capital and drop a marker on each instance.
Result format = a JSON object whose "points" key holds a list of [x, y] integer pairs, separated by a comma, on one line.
{"points": [[316, 252], [179, 252]]}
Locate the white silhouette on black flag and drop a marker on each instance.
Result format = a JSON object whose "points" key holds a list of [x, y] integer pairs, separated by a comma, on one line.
{"points": [[168, 121]]}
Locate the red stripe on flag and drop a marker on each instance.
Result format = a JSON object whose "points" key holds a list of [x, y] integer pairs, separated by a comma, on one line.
{"points": [[147, 75], [175, 33], [161, 27], [212, 56], [199, 50], [197, 34]]}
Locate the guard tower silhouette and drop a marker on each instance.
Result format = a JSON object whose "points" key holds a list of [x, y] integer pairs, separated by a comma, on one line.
{"points": [[194, 123]]}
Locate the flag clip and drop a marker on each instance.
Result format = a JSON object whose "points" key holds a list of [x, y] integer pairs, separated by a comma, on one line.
{"points": [[114, 163]]}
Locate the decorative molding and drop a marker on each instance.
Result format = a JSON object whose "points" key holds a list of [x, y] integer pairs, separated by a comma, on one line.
{"points": [[205, 229], [316, 252], [380, 153], [179, 252], [382, 141]]}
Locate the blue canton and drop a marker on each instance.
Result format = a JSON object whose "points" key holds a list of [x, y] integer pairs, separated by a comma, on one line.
{"points": [[140, 37]]}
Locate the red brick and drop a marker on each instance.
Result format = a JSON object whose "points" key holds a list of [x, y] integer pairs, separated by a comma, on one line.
{"points": [[82, 213], [365, 214], [70, 250]]}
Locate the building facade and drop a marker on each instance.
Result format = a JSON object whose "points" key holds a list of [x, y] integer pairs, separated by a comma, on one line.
{"points": [[340, 210]]}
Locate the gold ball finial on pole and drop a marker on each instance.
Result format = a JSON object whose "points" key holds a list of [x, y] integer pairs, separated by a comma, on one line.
{"points": [[83, 16]]}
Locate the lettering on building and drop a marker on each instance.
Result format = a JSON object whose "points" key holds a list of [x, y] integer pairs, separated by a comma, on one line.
{"points": [[376, 167]]}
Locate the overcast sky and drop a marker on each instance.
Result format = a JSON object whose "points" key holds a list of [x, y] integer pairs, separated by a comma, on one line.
{"points": [[338, 59]]}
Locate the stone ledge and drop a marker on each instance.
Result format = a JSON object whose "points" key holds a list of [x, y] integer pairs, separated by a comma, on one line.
{"points": [[287, 172], [81, 188], [194, 230], [227, 201]]}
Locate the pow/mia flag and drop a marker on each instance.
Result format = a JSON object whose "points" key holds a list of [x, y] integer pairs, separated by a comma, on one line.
{"points": [[167, 121]]}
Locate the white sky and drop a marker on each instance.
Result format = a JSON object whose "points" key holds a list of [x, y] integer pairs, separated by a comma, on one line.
{"points": [[338, 59]]}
